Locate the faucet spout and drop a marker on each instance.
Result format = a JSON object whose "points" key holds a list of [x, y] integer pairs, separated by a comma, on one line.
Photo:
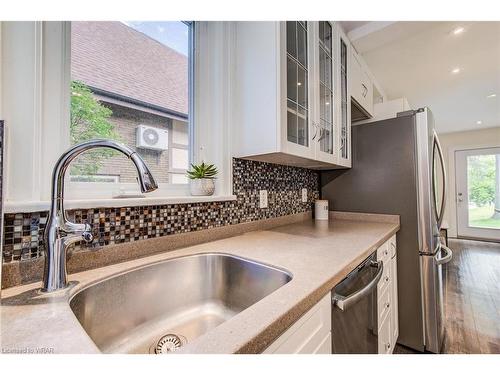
{"points": [[146, 181], [59, 232]]}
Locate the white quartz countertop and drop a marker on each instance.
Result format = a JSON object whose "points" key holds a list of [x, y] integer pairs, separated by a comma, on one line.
{"points": [[318, 254]]}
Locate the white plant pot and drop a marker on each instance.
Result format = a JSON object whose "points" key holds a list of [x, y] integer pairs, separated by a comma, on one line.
{"points": [[202, 186]]}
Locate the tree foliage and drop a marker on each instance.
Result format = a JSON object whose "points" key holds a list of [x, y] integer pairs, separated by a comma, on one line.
{"points": [[89, 120], [481, 179]]}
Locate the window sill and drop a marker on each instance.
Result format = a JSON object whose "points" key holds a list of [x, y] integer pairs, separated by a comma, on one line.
{"points": [[69, 204]]}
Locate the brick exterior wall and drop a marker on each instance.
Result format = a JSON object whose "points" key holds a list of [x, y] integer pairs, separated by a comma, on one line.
{"points": [[126, 120]]}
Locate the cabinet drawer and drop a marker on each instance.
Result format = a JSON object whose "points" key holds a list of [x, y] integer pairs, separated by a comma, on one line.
{"points": [[309, 335], [392, 246], [383, 252], [384, 304], [386, 278], [384, 337]]}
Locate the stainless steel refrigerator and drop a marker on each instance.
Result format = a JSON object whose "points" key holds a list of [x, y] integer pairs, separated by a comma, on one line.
{"points": [[398, 168]]}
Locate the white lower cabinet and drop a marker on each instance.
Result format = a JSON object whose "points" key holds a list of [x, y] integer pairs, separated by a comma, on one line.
{"points": [[384, 336], [387, 298], [394, 299], [311, 334]]}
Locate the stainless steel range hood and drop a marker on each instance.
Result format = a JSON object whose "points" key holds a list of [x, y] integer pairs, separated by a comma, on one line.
{"points": [[358, 113]]}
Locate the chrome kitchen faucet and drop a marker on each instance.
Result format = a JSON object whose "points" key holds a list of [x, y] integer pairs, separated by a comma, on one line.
{"points": [[60, 233]]}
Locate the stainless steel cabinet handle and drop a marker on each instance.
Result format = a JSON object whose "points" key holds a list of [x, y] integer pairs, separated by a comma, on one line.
{"points": [[315, 130], [344, 302], [365, 90], [321, 134], [448, 256]]}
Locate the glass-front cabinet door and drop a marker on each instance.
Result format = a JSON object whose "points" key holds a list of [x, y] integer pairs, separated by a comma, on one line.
{"points": [[298, 113], [324, 129], [316, 109], [344, 105]]}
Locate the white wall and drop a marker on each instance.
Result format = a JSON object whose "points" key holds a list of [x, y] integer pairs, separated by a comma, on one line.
{"points": [[452, 142]]}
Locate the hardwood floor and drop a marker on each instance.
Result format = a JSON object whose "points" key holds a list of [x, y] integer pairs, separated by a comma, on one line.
{"points": [[472, 298]]}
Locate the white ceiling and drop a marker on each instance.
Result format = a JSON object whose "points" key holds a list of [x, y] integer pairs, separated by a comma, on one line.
{"points": [[415, 59], [351, 25]]}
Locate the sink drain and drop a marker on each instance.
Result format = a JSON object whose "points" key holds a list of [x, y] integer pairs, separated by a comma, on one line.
{"points": [[168, 344]]}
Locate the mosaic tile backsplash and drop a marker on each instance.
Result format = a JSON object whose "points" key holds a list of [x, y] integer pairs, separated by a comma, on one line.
{"points": [[23, 232], [1, 175]]}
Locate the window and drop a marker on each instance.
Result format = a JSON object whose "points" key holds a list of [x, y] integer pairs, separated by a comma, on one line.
{"points": [[130, 83], [37, 105]]}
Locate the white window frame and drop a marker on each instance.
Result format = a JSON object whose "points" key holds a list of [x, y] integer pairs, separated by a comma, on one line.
{"points": [[35, 102]]}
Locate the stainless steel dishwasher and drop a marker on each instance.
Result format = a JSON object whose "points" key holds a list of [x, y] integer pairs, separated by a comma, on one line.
{"points": [[354, 310]]}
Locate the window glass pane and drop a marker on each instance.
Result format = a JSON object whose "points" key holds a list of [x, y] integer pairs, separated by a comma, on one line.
{"points": [[328, 106], [129, 83], [343, 133], [322, 65], [180, 158], [327, 40], [291, 38], [302, 86], [322, 99], [302, 127], [322, 31], [328, 72], [343, 54], [291, 79], [302, 45], [291, 124], [343, 99], [180, 132], [297, 83], [325, 136], [343, 88], [483, 185]]}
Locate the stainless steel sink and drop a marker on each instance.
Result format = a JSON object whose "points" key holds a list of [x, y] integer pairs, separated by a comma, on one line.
{"points": [[160, 307]]}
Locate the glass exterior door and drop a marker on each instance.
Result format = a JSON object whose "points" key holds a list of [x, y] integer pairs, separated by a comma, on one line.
{"points": [[297, 82], [478, 193]]}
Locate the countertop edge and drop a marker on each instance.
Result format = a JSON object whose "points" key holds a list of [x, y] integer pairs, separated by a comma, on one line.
{"points": [[264, 337], [262, 340]]}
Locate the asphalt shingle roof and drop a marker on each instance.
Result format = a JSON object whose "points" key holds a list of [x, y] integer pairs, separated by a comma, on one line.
{"points": [[116, 58]]}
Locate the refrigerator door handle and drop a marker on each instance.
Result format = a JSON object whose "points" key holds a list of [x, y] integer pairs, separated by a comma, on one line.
{"points": [[448, 256], [344, 302], [437, 146]]}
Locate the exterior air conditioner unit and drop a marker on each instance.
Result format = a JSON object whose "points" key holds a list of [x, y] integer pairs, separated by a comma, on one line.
{"points": [[151, 138]]}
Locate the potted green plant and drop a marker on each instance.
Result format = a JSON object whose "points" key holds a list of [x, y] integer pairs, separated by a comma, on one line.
{"points": [[201, 179]]}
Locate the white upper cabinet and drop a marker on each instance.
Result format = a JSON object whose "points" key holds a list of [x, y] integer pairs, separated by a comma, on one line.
{"points": [[361, 87], [325, 126], [298, 72], [287, 97]]}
